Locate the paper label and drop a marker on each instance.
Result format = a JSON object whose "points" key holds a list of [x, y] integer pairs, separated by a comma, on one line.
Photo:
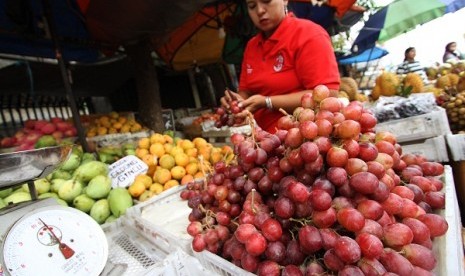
{"points": [[123, 171]]}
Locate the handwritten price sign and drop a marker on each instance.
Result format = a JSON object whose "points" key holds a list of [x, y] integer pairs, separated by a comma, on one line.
{"points": [[123, 171]]}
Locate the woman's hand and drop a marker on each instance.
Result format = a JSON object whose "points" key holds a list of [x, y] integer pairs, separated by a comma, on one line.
{"points": [[253, 103], [228, 97]]}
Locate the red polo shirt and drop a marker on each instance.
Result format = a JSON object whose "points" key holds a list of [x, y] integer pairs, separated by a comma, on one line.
{"points": [[298, 56]]}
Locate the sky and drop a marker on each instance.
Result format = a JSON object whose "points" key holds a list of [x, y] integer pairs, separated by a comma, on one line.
{"points": [[429, 39]]}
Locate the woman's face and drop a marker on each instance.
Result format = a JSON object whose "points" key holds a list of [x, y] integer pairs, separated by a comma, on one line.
{"points": [[266, 14], [452, 47], [411, 54]]}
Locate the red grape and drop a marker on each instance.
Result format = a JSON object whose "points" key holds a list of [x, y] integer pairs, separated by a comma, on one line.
{"points": [[394, 262], [255, 244], [347, 250], [244, 231], [272, 230], [437, 225], [420, 256], [370, 245], [310, 239], [351, 219], [397, 235]]}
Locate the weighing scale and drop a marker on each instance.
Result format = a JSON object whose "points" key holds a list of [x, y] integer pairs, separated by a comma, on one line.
{"points": [[42, 237]]}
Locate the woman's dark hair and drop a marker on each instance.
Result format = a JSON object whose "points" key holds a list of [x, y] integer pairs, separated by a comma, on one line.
{"points": [[407, 51], [448, 46]]}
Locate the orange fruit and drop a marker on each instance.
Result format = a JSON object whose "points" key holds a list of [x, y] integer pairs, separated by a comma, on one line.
{"points": [[216, 157], [141, 153], [181, 159], [168, 147], [178, 172], [187, 144], [167, 161], [149, 159], [144, 143], [147, 180], [136, 127], [199, 142], [226, 150], [176, 150], [168, 139], [192, 168], [157, 149], [157, 138], [156, 188], [102, 131], [192, 152], [187, 179], [117, 125], [125, 128], [146, 195], [199, 174], [170, 184], [162, 176], [136, 188]]}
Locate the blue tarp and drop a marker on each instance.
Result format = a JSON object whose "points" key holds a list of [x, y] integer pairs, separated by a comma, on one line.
{"points": [[367, 55]]}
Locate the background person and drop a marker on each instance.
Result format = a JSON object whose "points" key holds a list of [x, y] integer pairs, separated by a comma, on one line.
{"points": [[451, 52], [285, 60], [410, 65]]}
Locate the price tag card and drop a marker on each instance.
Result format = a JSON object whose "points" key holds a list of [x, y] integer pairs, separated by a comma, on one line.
{"points": [[123, 171]]}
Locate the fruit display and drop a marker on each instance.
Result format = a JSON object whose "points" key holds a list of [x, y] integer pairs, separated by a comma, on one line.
{"points": [[110, 124], [29, 137], [173, 162], [385, 85], [206, 117], [324, 195], [227, 117], [81, 182], [455, 108], [111, 154], [349, 87]]}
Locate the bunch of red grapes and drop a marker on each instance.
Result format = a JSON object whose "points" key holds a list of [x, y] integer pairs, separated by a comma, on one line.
{"points": [[324, 194], [227, 117]]}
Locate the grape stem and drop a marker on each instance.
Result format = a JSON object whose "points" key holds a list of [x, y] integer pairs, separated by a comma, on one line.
{"points": [[253, 204], [283, 112]]}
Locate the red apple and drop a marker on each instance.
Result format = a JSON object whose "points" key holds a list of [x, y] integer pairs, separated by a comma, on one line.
{"points": [[70, 132], [56, 120], [57, 134], [63, 126], [7, 142], [48, 128], [40, 124], [29, 124]]}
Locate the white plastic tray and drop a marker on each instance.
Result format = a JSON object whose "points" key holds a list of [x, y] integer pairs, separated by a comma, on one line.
{"points": [[164, 220], [434, 149], [418, 127], [449, 247], [456, 145]]}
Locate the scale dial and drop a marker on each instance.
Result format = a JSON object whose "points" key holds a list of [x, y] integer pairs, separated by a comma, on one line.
{"points": [[55, 240]]}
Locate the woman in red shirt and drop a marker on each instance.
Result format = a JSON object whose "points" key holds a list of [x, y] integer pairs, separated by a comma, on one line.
{"points": [[286, 59]]}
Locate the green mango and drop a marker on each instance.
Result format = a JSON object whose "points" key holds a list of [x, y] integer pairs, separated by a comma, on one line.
{"points": [[6, 192], [88, 156], [2, 203], [70, 190], [42, 186], [62, 202], [61, 174], [56, 184], [45, 141], [119, 200], [47, 195], [77, 150], [99, 187], [71, 163], [83, 203], [90, 170], [17, 197], [110, 219], [100, 211]]}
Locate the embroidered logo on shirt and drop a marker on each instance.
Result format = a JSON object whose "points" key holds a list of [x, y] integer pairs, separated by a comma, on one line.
{"points": [[249, 69], [278, 65]]}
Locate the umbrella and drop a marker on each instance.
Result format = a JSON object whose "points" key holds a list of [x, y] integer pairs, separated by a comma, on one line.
{"points": [[199, 40], [365, 56], [401, 16]]}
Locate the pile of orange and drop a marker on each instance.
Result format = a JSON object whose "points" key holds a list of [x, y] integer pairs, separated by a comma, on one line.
{"points": [[173, 162], [113, 123]]}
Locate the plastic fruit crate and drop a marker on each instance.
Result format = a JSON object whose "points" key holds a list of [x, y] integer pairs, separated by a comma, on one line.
{"points": [[418, 127], [448, 248], [164, 219], [129, 252], [219, 265], [434, 149], [456, 145]]}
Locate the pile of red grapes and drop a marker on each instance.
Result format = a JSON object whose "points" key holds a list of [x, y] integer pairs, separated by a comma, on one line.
{"points": [[323, 195], [227, 117]]}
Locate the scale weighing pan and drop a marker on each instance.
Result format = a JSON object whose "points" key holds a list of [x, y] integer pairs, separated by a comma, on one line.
{"points": [[22, 166]]}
